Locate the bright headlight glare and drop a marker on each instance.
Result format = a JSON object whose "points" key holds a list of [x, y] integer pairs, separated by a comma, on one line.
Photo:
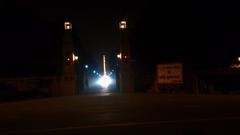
{"points": [[104, 81]]}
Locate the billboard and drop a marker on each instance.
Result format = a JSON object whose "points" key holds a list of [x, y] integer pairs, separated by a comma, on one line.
{"points": [[170, 73]]}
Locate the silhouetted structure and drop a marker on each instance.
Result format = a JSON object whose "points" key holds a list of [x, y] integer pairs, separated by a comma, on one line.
{"points": [[126, 76]]}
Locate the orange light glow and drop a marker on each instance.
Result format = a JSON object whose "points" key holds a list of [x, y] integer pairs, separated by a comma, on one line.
{"points": [[119, 56], [75, 58], [238, 59], [67, 25], [123, 25]]}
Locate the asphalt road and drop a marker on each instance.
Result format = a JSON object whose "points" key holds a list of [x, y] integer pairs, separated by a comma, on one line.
{"points": [[175, 114]]}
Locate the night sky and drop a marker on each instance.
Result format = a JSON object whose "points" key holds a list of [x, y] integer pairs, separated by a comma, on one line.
{"points": [[200, 33]]}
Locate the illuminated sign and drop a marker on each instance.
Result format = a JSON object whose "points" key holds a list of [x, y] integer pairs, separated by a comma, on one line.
{"points": [[170, 73]]}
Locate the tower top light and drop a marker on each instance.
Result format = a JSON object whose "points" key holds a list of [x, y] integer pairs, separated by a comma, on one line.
{"points": [[122, 24], [67, 25]]}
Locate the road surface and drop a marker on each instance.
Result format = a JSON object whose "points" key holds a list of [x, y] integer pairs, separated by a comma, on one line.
{"points": [[138, 113]]}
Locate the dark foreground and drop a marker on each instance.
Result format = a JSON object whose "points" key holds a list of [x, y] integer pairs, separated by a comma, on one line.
{"points": [[123, 114]]}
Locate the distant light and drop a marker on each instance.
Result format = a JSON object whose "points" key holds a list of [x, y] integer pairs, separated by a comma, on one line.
{"points": [[67, 25], [110, 73], [238, 59], [113, 70], [75, 58], [105, 81], [119, 55], [123, 25], [104, 65], [86, 66]]}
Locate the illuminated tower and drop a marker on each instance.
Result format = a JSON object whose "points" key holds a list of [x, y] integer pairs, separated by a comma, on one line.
{"points": [[68, 75], [126, 77]]}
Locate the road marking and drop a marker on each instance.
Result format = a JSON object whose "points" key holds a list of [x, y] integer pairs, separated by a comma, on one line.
{"points": [[120, 125]]}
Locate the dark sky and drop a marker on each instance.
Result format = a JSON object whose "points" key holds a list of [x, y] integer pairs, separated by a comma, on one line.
{"points": [[203, 33]]}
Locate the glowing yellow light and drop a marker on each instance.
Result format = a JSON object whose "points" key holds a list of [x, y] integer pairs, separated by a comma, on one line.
{"points": [[104, 65], [75, 58], [123, 25], [67, 25], [238, 59], [119, 56]]}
